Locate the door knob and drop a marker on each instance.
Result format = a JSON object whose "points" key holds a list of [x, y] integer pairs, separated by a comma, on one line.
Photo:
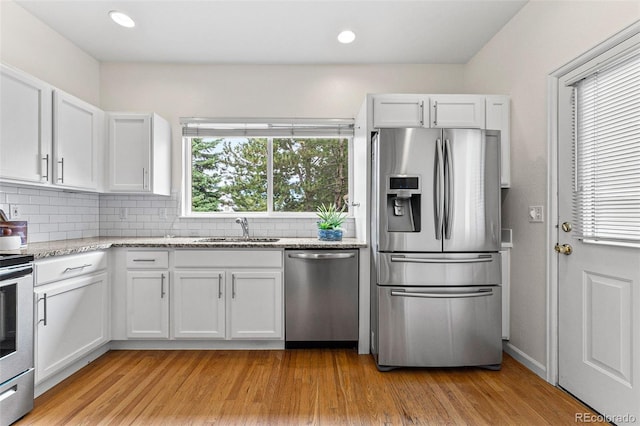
{"points": [[566, 226], [564, 249]]}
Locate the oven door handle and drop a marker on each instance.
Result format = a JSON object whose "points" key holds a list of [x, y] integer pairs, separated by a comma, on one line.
{"points": [[477, 259], [12, 272], [435, 295]]}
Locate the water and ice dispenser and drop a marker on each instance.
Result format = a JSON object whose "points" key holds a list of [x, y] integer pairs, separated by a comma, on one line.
{"points": [[403, 204]]}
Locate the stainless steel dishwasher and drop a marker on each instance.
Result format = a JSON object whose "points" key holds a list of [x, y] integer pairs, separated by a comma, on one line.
{"points": [[321, 298]]}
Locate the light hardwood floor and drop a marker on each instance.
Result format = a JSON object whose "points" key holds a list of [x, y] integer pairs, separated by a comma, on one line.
{"points": [[295, 387]]}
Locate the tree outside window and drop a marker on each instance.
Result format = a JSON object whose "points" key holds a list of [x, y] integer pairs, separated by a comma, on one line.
{"points": [[230, 174]]}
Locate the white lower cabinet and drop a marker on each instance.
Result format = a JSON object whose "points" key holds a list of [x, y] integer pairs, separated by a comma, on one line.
{"points": [[226, 294], [198, 299], [72, 318], [147, 304], [256, 305]]}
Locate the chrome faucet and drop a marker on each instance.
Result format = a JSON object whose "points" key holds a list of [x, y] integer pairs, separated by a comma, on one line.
{"points": [[244, 223]]}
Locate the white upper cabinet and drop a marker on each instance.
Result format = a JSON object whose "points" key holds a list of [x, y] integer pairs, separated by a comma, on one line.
{"points": [[461, 111], [76, 142], [25, 127], [393, 111], [448, 111], [497, 118], [139, 154]]}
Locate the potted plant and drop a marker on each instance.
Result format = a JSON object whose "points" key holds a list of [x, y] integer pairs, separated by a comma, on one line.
{"points": [[330, 221]]}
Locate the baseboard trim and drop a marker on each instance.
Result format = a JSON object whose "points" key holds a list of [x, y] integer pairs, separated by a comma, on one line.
{"points": [[526, 360], [197, 345]]}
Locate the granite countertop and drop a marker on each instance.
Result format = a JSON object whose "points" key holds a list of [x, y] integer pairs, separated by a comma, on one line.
{"points": [[65, 247]]}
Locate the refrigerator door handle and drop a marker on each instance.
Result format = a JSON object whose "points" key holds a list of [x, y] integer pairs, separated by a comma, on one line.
{"points": [[476, 259], [437, 295], [438, 205], [448, 199]]}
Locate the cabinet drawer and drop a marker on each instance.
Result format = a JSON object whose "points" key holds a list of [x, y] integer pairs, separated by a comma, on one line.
{"points": [[50, 270], [137, 259], [228, 259]]}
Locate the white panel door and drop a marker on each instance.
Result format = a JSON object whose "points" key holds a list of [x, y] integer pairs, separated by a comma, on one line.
{"points": [[147, 304], [498, 117], [25, 127], [75, 141], [72, 318], [256, 305], [400, 111], [463, 111], [598, 305], [129, 152], [198, 300]]}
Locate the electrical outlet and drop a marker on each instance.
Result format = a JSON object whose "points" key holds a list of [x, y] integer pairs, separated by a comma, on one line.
{"points": [[162, 213], [14, 211], [536, 214], [124, 213]]}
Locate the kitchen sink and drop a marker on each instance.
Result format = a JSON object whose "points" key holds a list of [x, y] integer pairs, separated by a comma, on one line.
{"points": [[237, 240]]}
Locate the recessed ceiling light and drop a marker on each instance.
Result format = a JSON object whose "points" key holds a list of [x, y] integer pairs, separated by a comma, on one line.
{"points": [[346, 37], [122, 18]]}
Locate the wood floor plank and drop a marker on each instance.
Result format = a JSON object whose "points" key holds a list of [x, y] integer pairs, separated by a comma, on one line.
{"points": [[294, 387]]}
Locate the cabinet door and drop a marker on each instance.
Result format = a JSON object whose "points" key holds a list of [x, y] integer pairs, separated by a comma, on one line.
{"points": [[147, 304], [198, 300], [76, 144], [25, 127], [466, 111], [129, 152], [256, 305], [397, 111], [72, 319], [498, 118]]}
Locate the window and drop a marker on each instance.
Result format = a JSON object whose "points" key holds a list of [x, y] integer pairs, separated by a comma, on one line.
{"points": [[607, 152], [266, 169]]}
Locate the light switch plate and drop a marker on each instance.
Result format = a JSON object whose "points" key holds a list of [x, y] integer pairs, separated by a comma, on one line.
{"points": [[536, 214]]}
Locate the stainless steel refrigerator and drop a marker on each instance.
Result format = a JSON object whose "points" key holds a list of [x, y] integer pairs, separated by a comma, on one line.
{"points": [[436, 295]]}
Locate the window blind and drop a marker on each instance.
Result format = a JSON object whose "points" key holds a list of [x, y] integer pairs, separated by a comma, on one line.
{"points": [[266, 127], [606, 150]]}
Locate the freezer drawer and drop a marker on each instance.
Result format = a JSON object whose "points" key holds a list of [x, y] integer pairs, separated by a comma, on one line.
{"points": [[439, 326], [439, 269]]}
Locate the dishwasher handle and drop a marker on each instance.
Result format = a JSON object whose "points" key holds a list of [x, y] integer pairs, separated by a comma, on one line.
{"points": [[321, 256]]}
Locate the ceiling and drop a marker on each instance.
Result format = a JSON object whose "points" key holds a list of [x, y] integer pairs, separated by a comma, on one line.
{"points": [[279, 31]]}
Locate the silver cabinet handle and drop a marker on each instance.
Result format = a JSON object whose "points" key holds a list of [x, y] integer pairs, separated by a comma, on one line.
{"points": [[45, 175], [321, 256], [162, 292], [44, 299], [144, 178], [435, 113], [61, 162], [422, 113], [479, 293], [219, 286], [144, 260], [86, 265], [233, 286], [407, 259]]}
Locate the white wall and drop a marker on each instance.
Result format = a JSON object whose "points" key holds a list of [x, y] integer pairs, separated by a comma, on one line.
{"points": [[28, 44], [543, 36], [175, 91]]}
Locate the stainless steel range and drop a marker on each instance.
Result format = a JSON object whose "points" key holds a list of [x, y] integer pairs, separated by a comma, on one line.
{"points": [[16, 337]]}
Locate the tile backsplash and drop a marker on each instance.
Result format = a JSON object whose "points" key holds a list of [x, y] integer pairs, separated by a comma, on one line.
{"points": [[54, 214]]}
